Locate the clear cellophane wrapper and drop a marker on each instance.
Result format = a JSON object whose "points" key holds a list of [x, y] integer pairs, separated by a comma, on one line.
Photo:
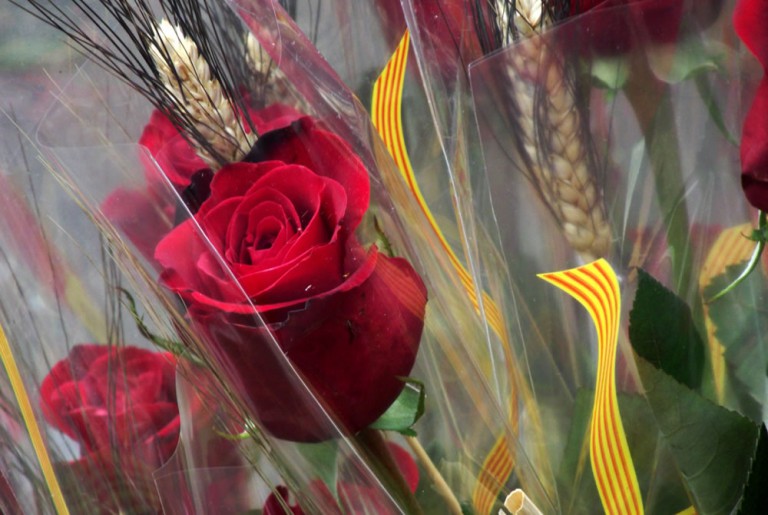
{"points": [[102, 203], [659, 90]]}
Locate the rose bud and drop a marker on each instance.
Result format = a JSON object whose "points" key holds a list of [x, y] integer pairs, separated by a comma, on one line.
{"points": [[348, 319]]}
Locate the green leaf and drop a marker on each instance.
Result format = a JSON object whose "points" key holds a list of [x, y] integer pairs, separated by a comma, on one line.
{"points": [[655, 469], [576, 484], [610, 73], [662, 331], [405, 411], [323, 458], [754, 499], [688, 58], [712, 446], [741, 325], [709, 98]]}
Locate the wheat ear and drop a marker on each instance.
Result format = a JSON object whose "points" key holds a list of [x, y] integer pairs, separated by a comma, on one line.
{"points": [[557, 157], [275, 86], [188, 79]]}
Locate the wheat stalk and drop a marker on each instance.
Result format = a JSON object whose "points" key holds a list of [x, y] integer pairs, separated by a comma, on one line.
{"points": [[557, 158], [187, 78], [275, 85]]}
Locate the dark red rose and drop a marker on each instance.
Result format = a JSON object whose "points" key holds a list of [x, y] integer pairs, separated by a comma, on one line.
{"points": [[616, 26], [353, 497], [119, 404], [751, 22], [348, 319], [146, 215]]}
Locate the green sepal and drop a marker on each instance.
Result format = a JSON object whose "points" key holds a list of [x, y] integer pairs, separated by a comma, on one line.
{"points": [[323, 457], [405, 411]]}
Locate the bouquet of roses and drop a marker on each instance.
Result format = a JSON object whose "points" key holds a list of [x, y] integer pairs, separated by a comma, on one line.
{"points": [[237, 286], [229, 204]]}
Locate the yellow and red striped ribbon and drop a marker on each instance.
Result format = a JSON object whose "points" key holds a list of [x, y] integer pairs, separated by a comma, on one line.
{"points": [[28, 415], [596, 287], [386, 113], [730, 248]]}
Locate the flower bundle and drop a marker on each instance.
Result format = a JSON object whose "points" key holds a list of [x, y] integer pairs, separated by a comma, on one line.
{"points": [[286, 258]]}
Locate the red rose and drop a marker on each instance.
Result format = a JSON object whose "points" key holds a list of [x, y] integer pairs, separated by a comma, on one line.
{"points": [[614, 27], [750, 20], [177, 158], [101, 395], [348, 319], [119, 404], [146, 215]]}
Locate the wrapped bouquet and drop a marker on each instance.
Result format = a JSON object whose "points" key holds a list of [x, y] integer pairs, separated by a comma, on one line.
{"points": [[265, 256]]}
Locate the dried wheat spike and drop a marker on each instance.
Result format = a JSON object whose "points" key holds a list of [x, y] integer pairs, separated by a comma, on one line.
{"points": [[557, 156], [272, 82], [187, 77]]}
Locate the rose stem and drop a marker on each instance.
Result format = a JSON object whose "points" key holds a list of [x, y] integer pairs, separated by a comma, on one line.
{"points": [[438, 481], [651, 101], [373, 443]]}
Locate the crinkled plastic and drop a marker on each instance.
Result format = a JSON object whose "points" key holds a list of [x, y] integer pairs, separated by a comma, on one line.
{"points": [[661, 110], [100, 175]]}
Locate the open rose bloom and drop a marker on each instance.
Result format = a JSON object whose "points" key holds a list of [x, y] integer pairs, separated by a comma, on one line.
{"points": [[281, 224]]}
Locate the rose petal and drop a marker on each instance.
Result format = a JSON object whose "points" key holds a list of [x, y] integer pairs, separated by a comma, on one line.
{"points": [[325, 154], [351, 347], [116, 394], [275, 116], [750, 19], [173, 253]]}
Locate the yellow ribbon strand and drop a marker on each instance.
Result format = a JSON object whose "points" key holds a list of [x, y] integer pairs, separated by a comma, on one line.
{"points": [[27, 413], [596, 287], [386, 114]]}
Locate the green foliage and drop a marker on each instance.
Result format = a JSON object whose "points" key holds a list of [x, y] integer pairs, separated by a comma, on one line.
{"points": [[754, 499], [405, 411], [323, 459], [713, 447], [656, 474], [576, 484], [662, 332], [741, 325]]}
